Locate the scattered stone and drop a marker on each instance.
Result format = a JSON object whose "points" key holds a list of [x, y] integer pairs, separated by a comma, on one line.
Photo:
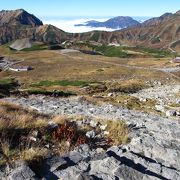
{"points": [[91, 134], [159, 108], [93, 123], [103, 127], [52, 125], [97, 96], [110, 94], [177, 113], [142, 99], [91, 110], [170, 113], [32, 138], [106, 132], [35, 133]]}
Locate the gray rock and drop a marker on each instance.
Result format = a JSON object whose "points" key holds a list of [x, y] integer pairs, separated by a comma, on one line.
{"points": [[160, 108], [118, 151], [110, 94], [55, 162], [170, 113], [104, 168], [91, 134], [128, 173], [52, 125], [93, 123], [21, 171], [170, 173], [103, 127], [75, 157]]}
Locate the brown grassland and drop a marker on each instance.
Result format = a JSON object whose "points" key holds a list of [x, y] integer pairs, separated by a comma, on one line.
{"points": [[51, 65]]}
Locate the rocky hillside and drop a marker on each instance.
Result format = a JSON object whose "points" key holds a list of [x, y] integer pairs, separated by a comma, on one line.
{"points": [[20, 24], [119, 22], [44, 33], [157, 20]]}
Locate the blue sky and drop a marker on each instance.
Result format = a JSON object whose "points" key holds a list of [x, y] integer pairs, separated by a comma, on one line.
{"points": [[101, 8]]}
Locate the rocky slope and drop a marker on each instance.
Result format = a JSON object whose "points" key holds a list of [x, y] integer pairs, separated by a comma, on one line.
{"points": [[152, 153], [119, 22], [19, 24], [157, 20], [44, 33]]}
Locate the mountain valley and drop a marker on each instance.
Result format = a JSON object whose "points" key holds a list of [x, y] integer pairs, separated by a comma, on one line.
{"points": [[96, 105]]}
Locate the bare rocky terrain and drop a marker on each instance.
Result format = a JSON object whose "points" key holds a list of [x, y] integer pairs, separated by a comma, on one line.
{"points": [[153, 151]]}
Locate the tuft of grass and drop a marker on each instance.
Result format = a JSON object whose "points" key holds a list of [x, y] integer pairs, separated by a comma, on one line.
{"points": [[128, 86], [6, 149], [134, 103], [156, 53], [49, 93], [33, 154], [14, 117], [59, 119], [37, 47], [174, 105], [111, 51], [118, 131]]}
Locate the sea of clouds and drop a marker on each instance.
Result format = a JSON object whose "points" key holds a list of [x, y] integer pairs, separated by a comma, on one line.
{"points": [[68, 24]]}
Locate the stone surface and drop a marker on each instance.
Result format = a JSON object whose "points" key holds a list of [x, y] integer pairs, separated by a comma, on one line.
{"points": [[91, 134], [152, 153], [55, 162], [21, 171]]}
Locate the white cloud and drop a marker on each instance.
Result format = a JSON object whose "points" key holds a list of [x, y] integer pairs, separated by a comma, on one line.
{"points": [[69, 25]]}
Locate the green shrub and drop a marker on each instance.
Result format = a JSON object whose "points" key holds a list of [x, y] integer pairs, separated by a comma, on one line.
{"points": [[6, 86], [37, 47], [50, 93], [111, 51], [61, 83]]}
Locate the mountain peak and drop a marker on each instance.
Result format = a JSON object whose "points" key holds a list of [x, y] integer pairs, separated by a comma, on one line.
{"points": [[119, 22], [178, 12], [18, 17]]}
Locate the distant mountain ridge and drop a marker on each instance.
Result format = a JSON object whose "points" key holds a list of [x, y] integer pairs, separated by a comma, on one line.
{"points": [[160, 32], [119, 22], [157, 20]]}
